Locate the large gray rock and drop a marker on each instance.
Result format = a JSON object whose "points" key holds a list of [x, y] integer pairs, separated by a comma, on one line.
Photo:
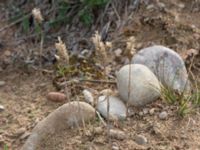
{"points": [[66, 116], [117, 109], [166, 64], [144, 86]]}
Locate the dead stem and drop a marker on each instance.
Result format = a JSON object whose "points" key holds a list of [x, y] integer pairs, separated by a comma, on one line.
{"points": [[98, 81], [41, 49]]}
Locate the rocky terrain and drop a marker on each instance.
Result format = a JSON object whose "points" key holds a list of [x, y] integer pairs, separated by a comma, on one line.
{"points": [[26, 85]]}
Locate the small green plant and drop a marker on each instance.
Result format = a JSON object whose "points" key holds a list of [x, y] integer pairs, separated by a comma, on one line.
{"points": [[63, 12], [184, 106], [5, 147], [61, 70], [86, 14], [168, 95], [26, 24], [196, 98], [185, 102], [182, 100], [62, 17]]}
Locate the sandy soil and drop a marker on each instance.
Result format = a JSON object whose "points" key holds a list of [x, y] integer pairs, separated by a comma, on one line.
{"points": [[174, 24]]}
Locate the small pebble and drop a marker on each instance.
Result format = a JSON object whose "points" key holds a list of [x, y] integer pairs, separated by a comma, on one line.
{"points": [[115, 147], [117, 109], [140, 139], [56, 97], [145, 111], [161, 5], [163, 115], [2, 83], [181, 5], [118, 52], [7, 53], [152, 111], [19, 132], [24, 136], [88, 97], [98, 130], [150, 7], [2, 108], [131, 113], [117, 134], [141, 113]]}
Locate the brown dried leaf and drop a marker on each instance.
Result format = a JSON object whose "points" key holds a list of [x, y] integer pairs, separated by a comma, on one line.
{"points": [[189, 53]]}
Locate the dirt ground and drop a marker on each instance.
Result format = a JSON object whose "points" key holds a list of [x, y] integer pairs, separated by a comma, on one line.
{"points": [[174, 23]]}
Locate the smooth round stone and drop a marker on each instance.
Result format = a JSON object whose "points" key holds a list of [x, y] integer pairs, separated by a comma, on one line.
{"points": [[163, 115], [143, 84], [166, 64], [141, 140], [72, 114], [117, 109]]}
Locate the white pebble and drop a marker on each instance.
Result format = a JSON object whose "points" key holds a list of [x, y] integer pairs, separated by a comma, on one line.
{"points": [[152, 111], [2, 108], [163, 115], [2, 83], [114, 147], [117, 109], [145, 111], [118, 52], [88, 97]]}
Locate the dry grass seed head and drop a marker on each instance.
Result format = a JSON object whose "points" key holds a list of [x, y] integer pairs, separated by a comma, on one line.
{"points": [[37, 15], [130, 47], [100, 47], [63, 56]]}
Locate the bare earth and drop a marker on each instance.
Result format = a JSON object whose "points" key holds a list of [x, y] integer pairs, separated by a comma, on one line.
{"points": [[24, 94]]}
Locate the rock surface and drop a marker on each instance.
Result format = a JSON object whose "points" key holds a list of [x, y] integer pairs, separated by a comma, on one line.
{"points": [[117, 109], [66, 116], [140, 139], [166, 64], [144, 86]]}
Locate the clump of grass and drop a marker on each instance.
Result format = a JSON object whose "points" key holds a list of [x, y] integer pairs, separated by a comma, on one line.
{"points": [[169, 95], [196, 98], [185, 102], [63, 13]]}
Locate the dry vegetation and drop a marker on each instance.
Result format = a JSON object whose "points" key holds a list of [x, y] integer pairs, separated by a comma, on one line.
{"points": [[63, 51]]}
